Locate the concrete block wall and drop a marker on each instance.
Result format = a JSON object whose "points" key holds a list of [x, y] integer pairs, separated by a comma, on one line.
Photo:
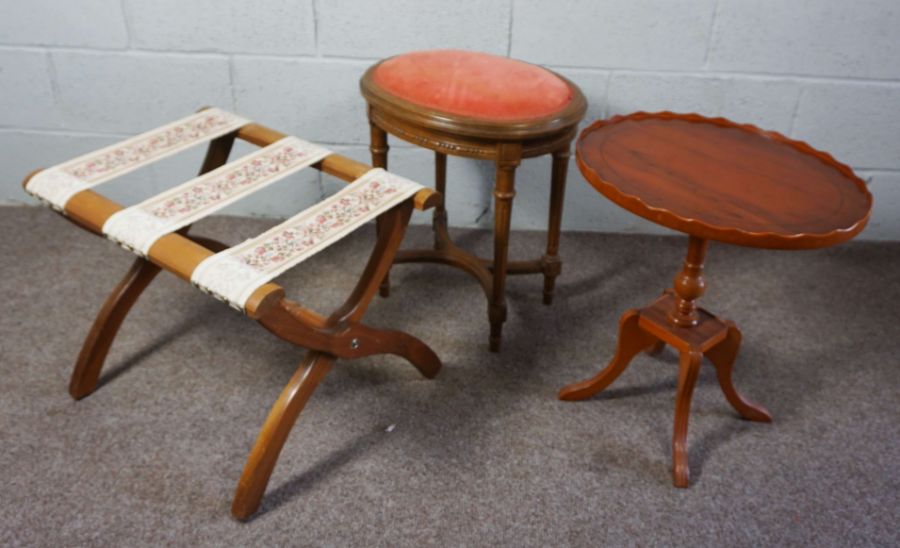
{"points": [[80, 74]]}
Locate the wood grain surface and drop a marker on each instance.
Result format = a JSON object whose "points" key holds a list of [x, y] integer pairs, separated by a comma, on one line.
{"points": [[718, 180]]}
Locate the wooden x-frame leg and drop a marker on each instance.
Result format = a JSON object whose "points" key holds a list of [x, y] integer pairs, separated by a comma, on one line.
{"points": [[106, 324], [340, 335]]}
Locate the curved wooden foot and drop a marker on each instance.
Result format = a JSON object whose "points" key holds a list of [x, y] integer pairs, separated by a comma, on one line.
{"points": [[290, 322], [415, 352], [369, 341], [722, 356], [632, 340], [106, 325], [274, 433], [689, 369]]}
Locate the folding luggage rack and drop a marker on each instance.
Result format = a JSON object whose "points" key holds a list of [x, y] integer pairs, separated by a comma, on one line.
{"points": [[157, 231]]}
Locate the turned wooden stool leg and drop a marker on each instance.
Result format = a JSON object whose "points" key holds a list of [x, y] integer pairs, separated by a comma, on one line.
{"points": [[508, 158], [378, 146], [439, 218], [550, 262]]}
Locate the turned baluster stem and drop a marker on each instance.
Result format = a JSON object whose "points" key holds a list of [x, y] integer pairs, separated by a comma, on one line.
{"points": [[689, 285]]}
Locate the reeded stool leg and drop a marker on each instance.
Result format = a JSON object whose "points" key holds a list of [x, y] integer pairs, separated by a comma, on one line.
{"points": [[508, 159], [439, 217], [378, 147], [550, 262]]}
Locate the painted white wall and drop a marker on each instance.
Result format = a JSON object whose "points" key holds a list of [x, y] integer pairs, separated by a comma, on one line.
{"points": [[78, 74]]}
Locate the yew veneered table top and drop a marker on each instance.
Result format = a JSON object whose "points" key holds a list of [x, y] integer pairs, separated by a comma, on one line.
{"points": [[715, 179]]}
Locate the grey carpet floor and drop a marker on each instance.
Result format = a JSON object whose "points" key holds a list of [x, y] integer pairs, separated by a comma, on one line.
{"points": [[482, 455]]}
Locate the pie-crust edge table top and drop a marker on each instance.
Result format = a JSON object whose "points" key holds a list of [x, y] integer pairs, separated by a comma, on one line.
{"points": [[719, 180]]}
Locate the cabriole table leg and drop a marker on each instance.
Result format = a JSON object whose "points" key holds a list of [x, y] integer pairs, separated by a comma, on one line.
{"points": [[676, 320]]}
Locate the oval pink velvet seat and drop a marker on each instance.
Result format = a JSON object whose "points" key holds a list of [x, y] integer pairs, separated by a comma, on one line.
{"points": [[478, 85]]}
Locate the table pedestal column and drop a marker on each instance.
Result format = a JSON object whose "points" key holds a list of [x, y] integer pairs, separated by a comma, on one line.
{"points": [[675, 319]]}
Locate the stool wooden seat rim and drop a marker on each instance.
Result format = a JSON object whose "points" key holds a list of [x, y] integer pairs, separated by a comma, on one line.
{"points": [[482, 128], [705, 228]]}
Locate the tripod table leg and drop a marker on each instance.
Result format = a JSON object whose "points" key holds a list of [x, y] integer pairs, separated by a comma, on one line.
{"points": [[632, 341]]}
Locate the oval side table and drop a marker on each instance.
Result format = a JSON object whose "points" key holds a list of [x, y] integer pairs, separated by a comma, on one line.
{"points": [[481, 106], [712, 179]]}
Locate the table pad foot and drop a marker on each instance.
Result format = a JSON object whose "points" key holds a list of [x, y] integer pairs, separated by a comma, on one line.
{"points": [[649, 330]]}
